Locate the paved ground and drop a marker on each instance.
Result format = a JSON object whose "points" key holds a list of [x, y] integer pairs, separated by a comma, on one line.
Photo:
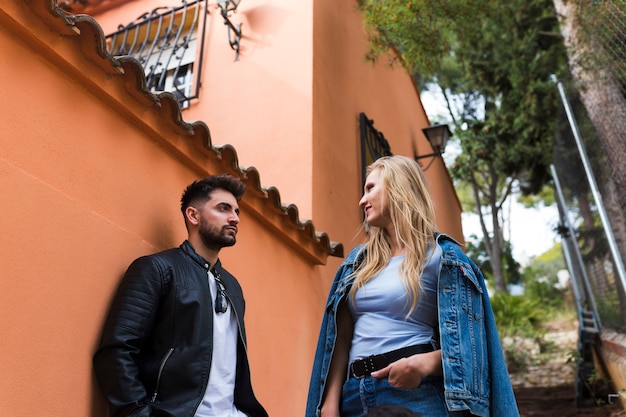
{"points": [[559, 401], [546, 388]]}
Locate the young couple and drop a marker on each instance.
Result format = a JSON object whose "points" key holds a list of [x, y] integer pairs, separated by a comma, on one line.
{"points": [[408, 318]]}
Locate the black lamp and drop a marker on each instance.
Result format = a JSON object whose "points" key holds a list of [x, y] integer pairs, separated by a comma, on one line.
{"points": [[437, 136], [230, 6]]}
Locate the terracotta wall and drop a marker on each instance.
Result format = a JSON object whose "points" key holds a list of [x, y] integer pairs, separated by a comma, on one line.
{"points": [[91, 177], [290, 104], [260, 104], [92, 168], [344, 85]]}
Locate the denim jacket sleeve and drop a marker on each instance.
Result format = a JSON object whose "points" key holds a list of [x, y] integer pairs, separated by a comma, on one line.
{"points": [[475, 373], [328, 332]]}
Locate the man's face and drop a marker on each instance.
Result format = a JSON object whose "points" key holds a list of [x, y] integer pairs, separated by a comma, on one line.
{"points": [[218, 219]]}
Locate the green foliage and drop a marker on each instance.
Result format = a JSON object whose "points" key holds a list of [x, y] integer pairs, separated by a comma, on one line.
{"points": [[509, 64], [518, 315], [545, 290], [522, 320], [610, 310], [475, 249], [551, 261], [540, 278], [542, 299], [464, 193], [421, 31], [511, 268], [544, 197], [495, 63]]}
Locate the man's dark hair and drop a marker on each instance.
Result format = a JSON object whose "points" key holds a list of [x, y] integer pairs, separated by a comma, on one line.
{"points": [[201, 190], [391, 411]]}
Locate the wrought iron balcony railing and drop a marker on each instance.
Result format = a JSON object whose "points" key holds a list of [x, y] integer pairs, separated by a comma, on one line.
{"points": [[373, 143], [167, 43]]}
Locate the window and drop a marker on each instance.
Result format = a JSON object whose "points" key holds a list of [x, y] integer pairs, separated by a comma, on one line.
{"points": [[178, 81], [165, 42], [373, 144]]}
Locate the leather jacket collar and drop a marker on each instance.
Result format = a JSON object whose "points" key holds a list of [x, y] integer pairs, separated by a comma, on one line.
{"points": [[188, 249]]}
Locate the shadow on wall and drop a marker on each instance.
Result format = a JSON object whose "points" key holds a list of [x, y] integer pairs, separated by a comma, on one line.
{"points": [[263, 22]]}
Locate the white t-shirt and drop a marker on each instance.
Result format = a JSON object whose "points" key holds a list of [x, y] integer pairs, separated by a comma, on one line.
{"points": [[219, 396], [380, 311]]}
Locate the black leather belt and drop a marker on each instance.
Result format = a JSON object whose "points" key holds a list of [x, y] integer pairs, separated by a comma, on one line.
{"points": [[361, 368]]}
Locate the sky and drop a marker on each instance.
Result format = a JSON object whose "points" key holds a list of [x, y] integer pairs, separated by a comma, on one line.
{"points": [[529, 230]]}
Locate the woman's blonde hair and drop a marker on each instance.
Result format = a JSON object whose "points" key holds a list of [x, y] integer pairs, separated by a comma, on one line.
{"points": [[406, 200]]}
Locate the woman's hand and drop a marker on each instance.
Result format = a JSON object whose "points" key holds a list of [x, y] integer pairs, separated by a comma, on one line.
{"points": [[409, 372]]}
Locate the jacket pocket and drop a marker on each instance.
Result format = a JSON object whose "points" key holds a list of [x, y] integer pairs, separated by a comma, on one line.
{"points": [[472, 277], [160, 374]]}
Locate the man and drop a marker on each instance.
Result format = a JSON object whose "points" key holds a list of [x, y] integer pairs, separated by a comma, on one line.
{"points": [[174, 342]]}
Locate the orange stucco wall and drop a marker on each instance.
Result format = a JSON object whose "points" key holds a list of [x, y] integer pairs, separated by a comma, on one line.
{"points": [[293, 98], [92, 168], [87, 186], [344, 85], [261, 104]]}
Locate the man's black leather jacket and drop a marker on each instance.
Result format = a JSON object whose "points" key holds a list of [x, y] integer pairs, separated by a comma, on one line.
{"points": [[155, 354]]}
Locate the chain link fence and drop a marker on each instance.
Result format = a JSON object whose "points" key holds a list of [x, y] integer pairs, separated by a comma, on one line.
{"points": [[588, 164], [594, 267], [604, 22]]}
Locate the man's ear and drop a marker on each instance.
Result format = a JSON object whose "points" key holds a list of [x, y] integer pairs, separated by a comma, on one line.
{"points": [[192, 215]]}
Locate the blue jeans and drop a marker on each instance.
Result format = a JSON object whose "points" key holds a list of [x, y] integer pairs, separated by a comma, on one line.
{"points": [[361, 395]]}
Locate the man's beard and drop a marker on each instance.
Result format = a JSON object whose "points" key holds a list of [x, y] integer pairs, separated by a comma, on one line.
{"points": [[214, 238]]}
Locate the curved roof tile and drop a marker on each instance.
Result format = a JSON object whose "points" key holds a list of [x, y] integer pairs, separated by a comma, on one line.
{"points": [[92, 39]]}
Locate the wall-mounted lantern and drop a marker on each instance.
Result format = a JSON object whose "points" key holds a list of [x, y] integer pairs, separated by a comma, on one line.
{"points": [[437, 136]]}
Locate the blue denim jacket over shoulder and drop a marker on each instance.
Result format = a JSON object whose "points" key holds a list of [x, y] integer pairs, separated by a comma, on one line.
{"points": [[475, 373]]}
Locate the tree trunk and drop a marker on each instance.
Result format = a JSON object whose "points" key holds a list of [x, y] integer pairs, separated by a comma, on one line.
{"points": [[602, 97], [610, 197], [603, 101], [496, 246], [599, 279], [493, 243]]}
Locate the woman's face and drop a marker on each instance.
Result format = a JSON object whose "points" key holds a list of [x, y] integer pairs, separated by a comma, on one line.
{"points": [[372, 201]]}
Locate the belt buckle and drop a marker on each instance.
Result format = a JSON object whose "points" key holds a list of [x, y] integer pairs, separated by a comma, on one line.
{"points": [[363, 367], [359, 373]]}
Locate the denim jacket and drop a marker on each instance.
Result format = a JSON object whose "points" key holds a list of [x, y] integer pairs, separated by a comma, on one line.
{"points": [[475, 373]]}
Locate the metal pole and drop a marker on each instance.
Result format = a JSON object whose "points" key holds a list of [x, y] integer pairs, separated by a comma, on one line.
{"points": [[619, 264], [564, 213]]}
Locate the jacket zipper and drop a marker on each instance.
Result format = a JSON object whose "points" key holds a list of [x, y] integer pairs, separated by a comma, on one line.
{"points": [[163, 362]]}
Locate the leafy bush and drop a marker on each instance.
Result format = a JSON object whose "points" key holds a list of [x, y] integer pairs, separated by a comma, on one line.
{"points": [[518, 315], [545, 291]]}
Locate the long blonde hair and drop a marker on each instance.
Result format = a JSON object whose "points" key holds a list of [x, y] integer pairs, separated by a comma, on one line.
{"points": [[407, 202]]}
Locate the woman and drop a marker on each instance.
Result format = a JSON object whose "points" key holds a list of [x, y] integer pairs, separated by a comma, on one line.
{"points": [[408, 320]]}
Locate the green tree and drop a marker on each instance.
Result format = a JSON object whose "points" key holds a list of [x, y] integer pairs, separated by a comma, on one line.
{"points": [[540, 278], [476, 249], [494, 62]]}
